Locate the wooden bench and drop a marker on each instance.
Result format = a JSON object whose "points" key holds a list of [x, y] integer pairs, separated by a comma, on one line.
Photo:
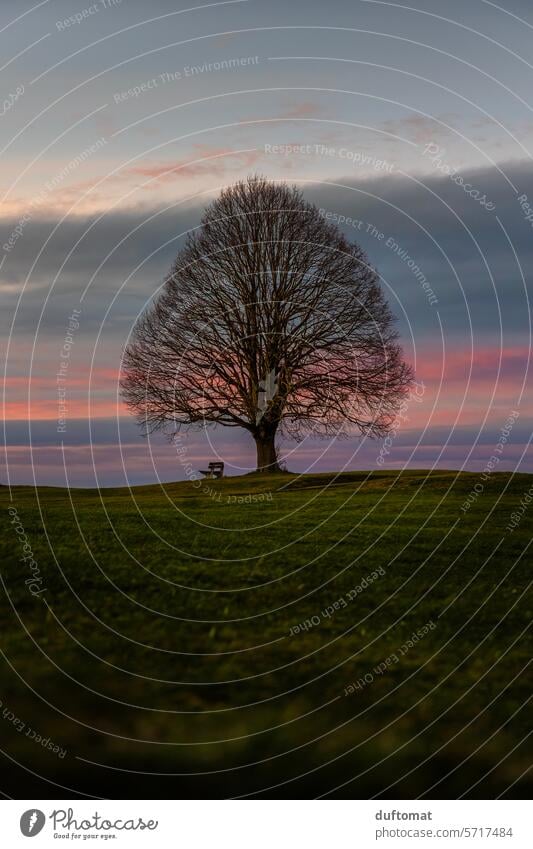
{"points": [[214, 470]]}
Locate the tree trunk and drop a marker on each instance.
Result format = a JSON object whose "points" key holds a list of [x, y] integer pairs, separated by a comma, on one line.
{"points": [[267, 460]]}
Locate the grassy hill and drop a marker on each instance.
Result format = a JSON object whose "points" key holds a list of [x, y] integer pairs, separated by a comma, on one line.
{"points": [[350, 635]]}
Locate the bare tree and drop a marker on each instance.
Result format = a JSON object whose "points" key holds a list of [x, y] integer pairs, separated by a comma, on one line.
{"points": [[269, 320]]}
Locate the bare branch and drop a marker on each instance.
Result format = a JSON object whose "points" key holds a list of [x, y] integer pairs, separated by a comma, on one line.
{"points": [[267, 286]]}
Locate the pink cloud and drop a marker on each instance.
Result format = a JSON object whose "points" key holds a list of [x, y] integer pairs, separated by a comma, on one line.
{"points": [[216, 162], [456, 397], [484, 363], [306, 109]]}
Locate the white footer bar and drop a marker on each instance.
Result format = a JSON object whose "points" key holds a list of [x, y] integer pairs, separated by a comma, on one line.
{"points": [[267, 824]]}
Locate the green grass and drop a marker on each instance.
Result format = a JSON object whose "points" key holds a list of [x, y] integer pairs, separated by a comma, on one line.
{"points": [[162, 640]]}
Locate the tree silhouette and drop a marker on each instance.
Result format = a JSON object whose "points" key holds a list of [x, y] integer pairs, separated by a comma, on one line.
{"points": [[271, 321]]}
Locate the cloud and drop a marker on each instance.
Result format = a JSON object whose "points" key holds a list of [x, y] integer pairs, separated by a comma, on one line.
{"points": [[418, 128], [470, 256], [459, 246], [486, 364], [305, 109], [214, 162], [108, 452]]}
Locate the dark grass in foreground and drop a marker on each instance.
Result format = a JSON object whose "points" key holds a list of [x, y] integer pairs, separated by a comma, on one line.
{"points": [[160, 654]]}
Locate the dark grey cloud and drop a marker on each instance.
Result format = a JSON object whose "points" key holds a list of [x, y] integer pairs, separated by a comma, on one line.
{"points": [[462, 249], [125, 430], [435, 223], [118, 242], [110, 452]]}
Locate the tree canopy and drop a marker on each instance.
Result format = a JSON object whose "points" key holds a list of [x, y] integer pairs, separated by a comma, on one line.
{"points": [[269, 320]]}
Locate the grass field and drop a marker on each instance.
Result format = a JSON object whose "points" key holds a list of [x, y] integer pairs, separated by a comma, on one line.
{"points": [[164, 651]]}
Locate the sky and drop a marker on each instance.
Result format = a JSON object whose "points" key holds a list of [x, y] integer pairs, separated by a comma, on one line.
{"points": [[410, 125]]}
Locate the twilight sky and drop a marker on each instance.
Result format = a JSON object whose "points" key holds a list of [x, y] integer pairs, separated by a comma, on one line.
{"points": [[410, 124]]}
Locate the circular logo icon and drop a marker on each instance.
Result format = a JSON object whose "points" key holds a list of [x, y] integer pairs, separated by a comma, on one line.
{"points": [[32, 822]]}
